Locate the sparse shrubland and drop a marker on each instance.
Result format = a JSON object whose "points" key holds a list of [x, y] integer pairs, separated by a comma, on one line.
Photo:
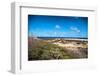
{"points": [[42, 50], [46, 51]]}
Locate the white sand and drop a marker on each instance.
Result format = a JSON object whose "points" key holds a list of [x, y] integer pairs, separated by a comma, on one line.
{"points": [[68, 45]]}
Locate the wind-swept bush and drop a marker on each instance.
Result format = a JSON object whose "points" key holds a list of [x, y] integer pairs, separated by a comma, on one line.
{"points": [[46, 51]]}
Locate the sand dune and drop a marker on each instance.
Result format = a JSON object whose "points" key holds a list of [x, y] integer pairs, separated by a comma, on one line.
{"points": [[42, 49]]}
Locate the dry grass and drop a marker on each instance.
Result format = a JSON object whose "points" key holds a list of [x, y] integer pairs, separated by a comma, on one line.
{"points": [[48, 50]]}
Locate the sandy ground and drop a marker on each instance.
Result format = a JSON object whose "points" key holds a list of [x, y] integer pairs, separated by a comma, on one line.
{"points": [[77, 51], [68, 45]]}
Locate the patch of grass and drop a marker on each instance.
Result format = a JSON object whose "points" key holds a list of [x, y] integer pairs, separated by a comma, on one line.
{"points": [[46, 51]]}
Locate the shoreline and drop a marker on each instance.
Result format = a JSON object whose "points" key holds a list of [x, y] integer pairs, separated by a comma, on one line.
{"points": [[64, 39]]}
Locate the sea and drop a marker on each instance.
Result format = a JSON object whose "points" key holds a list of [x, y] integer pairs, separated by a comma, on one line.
{"points": [[66, 38]]}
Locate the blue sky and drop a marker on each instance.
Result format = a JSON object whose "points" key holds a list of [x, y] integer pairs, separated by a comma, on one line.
{"points": [[57, 26]]}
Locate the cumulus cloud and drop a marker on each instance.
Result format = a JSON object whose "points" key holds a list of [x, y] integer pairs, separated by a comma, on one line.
{"points": [[75, 29], [55, 33], [58, 27]]}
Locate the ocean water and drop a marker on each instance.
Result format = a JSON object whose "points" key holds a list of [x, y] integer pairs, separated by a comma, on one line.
{"points": [[66, 38]]}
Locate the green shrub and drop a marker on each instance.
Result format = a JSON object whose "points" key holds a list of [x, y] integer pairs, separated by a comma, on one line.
{"points": [[46, 51]]}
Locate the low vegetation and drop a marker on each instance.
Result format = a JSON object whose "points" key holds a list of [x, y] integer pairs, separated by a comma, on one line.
{"points": [[43, 50], [46, 51]]}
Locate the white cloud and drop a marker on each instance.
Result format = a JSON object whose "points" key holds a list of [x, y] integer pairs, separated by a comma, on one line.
{"points": [[58, 27], [75, 29], [55, 33]]}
